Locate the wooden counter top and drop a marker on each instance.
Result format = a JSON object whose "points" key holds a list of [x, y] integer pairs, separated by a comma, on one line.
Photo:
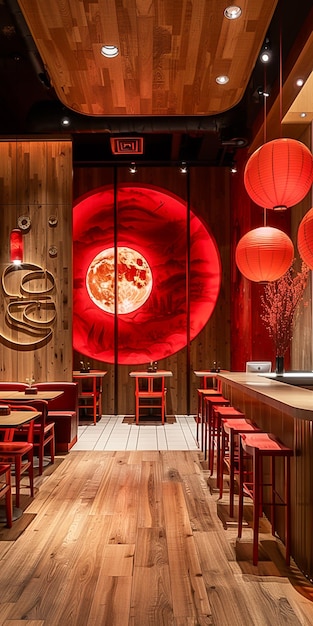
{"points": [[295, 401]]}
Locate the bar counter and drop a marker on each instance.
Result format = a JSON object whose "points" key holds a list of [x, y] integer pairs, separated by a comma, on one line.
{"points": [[287, 412]]}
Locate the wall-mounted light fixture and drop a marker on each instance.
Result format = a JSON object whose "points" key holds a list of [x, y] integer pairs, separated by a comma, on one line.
{"points": [[16, 246]]}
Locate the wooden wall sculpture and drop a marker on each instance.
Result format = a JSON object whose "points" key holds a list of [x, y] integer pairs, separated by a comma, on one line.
{"points": [[36, 299]]}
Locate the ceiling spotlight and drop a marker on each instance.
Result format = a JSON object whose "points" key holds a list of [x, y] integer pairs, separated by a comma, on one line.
{"points": [[266, 53], [183, 168], [109, 51], [65, 121], [133, 168], [233, 168], [232, 12], [299, 82], [303, 114], [222, 80]]}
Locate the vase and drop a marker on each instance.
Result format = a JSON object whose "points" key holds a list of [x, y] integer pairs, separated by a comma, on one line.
{"points": [[280, 368]]}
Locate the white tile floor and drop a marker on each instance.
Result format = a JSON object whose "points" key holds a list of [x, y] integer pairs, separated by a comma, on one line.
{"points": [[111, 434]]}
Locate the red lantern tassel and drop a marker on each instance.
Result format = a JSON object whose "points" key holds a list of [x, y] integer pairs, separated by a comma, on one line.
{"points": [[16, 246]]}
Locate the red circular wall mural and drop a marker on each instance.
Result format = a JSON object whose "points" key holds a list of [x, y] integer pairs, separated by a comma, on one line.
{"points": [[152, 279]]}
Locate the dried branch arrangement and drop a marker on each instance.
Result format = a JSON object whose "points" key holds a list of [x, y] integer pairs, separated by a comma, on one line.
{"points": [[280, 305]]}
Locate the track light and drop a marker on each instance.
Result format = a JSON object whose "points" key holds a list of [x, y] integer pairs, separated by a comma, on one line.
{"points": [[266, 53], [263, 92], [233, 168], [65, 121], [133, 168], [183, 168]]}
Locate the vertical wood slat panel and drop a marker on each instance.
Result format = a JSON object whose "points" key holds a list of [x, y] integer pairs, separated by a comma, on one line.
{"points": [[36, 181], [210, 200]]}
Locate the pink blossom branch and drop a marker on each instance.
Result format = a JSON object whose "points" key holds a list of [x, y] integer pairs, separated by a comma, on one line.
{"points": [[280, 306]]}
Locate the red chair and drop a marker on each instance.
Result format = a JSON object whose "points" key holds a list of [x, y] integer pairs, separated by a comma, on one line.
{"points": [[148, 395], [43, 433], [5, 490], [19, 453]]}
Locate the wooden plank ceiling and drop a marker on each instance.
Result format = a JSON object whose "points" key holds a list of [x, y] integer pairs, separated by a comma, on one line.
{"points": [[171, 52]]}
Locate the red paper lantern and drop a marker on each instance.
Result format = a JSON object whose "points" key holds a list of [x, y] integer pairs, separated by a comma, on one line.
{"points": [[279, 174], [16, 246], [305, 239], [264, 254]]}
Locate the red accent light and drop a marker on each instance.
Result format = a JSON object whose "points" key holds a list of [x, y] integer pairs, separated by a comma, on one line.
{"points": [[152, 222], [264, 254], [305, 239], [279, 174], [16, 246]]}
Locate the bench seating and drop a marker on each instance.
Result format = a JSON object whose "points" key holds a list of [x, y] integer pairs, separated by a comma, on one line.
{"points": [[63, 411]]}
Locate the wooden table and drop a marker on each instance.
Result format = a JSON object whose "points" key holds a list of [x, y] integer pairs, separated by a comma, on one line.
{"points": [[94, 394], [19, 396], [206, 375], [146, 395], [15, 420]]}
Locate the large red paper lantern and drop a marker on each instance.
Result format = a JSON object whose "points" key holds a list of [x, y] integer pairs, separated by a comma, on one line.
{"points": [[264, 254], [305, 239], [279, 174], [16, 246]]}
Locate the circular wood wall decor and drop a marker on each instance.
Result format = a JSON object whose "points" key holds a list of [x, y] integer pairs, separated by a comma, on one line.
{"points": [[152, 223]]}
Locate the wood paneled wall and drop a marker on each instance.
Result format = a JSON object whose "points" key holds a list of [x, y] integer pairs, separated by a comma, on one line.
{"points": [[36, 182], [302, 346], [209, 199]]}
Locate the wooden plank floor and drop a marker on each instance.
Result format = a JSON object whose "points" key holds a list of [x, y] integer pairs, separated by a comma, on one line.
{"points": [[134, 539]]}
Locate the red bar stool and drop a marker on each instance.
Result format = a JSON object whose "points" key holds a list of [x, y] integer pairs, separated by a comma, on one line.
{"points": [[203, 393], [219, 412], [210, 429], [231, 428], [5, 490], [258, 446]]}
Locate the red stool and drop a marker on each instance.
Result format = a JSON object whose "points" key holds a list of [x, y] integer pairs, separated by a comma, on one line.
{"points": [[231, 428], [5, 490], [219, 412], [257, 446], [210, 429], [202, 394]]}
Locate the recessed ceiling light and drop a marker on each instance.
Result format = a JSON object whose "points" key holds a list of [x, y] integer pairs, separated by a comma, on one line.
{"points": [[299, 82], [222, 80], [65, 121], [109, 51], [232, 12], [303, 114]]}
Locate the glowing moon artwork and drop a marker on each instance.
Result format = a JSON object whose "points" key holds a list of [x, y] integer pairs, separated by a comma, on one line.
{"points": [[134, 280], [146, 242]]}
